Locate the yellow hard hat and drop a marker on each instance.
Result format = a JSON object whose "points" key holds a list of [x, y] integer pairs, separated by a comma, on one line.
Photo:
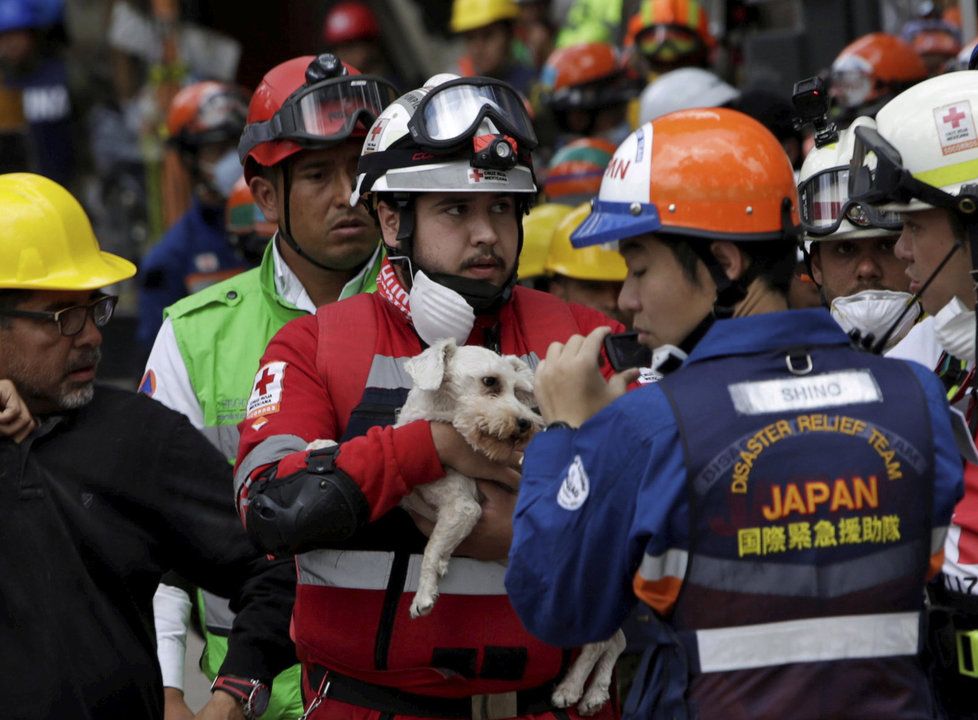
{"points": [[471, 14], [46, 240], [538, 231], [590, 263]]}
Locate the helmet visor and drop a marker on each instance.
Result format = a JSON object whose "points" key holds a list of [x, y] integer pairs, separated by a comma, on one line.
{"points": [[323, 113], [824, 204], [451, 113], [852, 81], [668, 43]]}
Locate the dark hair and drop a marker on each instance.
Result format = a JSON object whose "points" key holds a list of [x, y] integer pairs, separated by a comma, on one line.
{"points": [[772, 261]]}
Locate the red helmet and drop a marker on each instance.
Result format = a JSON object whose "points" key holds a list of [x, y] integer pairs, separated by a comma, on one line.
{"points": [[206, 112], [309, 102], [348, 22]]}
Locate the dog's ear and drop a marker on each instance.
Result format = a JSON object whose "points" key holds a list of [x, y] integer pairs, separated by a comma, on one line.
{"points": [[428, 369], [524, 375]]}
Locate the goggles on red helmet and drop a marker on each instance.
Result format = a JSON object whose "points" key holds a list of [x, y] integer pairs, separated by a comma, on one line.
{"points": [[450, 114], [824, 203], [877, 176], [326, 111]]}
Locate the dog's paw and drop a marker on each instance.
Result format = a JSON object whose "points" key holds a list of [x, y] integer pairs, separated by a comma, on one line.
{"points": [[422, 605], [320, 443], [565, 695], [594, 699]]}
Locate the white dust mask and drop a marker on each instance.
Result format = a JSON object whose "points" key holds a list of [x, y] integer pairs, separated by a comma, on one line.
{"points": [[225, 172], [954, 328], [438, 312], [874, 312]]}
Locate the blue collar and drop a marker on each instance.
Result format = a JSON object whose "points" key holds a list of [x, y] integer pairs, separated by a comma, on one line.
{"points": [[769, 331]]}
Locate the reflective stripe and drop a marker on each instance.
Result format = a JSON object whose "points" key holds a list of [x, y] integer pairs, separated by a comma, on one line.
{"points": [[829, 581], [810, 640], [388, 373], [950, 175], [225, 438], [370, 570], [672, 563], [267, 451], [937, 538], [218, 617]]}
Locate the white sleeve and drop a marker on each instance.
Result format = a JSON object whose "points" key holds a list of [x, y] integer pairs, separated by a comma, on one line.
{"points": [[166, 377], [171, 611]]}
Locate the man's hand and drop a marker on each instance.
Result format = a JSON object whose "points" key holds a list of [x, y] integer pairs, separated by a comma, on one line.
{"points": [[16, 420], [221, 706], [174, 705], [455, 452], [568, 384], [493, 534]]}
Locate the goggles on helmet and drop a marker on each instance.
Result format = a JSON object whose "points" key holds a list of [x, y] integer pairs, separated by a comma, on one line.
{"points": [[323, 112], [450, 114], [824, 203], [668, 43], [852, 81], [877, 176]]}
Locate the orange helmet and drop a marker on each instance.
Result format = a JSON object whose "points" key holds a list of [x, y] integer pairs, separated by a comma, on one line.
{"points": [[584, 77], [248, 229], [708, 173], [349, 22], [874, 66], [242, 215], [576, 170], [671, 32], [206, 112]]}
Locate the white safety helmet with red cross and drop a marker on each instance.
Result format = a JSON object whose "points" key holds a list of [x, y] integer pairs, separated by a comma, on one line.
{"points": [[453, 134], [923, 151]]}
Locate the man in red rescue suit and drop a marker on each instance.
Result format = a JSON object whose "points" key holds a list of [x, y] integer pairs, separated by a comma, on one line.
{"points": [[447, 169]]}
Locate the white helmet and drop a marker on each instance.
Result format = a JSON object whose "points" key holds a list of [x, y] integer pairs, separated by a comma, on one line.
{"points": [[451, 135], [823, 195], [923, 152], [683, 89]]}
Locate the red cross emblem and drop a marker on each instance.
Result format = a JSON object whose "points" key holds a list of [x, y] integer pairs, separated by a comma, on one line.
{"points": [[378, 129], [954, 116], [261, 385], [476, 175]]}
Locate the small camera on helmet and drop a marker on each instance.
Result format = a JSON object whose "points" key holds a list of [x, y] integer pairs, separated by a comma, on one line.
{"points": [[497, 154], [811, 101]]}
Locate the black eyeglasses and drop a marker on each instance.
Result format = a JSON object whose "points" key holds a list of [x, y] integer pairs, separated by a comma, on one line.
{"points": [[71, 320]]}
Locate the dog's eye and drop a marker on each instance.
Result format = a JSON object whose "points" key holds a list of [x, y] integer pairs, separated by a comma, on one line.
{"points": [[489, 381]]}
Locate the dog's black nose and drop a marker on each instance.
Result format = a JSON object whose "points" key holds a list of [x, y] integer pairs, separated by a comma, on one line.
{"points": [[523, 424]]}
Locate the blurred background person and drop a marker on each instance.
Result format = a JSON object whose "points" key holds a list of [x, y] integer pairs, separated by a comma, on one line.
{"points": [[352, 33], [538, 232], [871, 71], [204, 123], [248, 230], [487, 29], [668, 34]]}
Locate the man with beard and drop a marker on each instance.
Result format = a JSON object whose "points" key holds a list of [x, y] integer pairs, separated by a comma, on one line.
{"points": [[204, 359], [103, 492]]}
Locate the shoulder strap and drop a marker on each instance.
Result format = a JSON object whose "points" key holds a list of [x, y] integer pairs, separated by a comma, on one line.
{"points": [[348, 335]]}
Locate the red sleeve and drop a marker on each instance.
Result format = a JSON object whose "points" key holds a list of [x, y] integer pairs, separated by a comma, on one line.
{"points": [[386, 463], [587, 320]]}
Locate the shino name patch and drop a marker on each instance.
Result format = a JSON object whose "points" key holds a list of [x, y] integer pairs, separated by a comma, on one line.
{"points": [[266, 397], [849, 387], [574, 490]]}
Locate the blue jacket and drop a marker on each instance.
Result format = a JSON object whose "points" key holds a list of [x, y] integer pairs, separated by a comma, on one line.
{"points": [[190, 256], [595, 502]]}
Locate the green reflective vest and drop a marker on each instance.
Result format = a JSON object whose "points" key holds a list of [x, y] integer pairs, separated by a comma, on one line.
{"points": [[221, 333]]}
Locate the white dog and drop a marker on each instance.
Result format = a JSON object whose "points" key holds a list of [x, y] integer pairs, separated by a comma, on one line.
{"points": [[488, 398]]}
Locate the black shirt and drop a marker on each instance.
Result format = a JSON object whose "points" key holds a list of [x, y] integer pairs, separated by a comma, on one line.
{"points": [[94, 507]]}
